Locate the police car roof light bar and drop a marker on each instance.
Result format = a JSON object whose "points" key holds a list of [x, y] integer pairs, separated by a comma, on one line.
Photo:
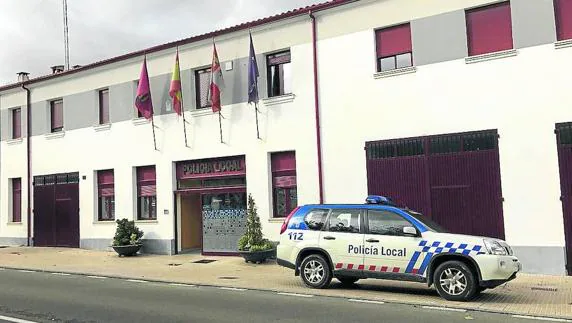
{"points": [[378, 199]]}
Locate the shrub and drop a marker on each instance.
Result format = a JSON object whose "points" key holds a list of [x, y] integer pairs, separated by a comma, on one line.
{"points": [[127, 233], [252, 240]]}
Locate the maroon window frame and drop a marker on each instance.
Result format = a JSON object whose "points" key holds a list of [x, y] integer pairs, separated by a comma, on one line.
{"points": [[104, 106], [489, 29], [16, 200], [57, 115], [284, 183], [106, 195], [563, 15], [393, 47], [16, 123], [146, 193]]}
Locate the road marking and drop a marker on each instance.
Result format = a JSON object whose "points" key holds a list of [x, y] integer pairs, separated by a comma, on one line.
{"points": [[444, 308], [26, 271], [136, 281], [96, 277], [15, 320], [550, 319], [294, 294], [61, 274], [232, 288], [365, 301], [182, 285]]}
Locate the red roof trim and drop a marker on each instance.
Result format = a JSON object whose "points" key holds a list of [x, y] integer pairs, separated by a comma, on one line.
{"points": [[243, 26]]}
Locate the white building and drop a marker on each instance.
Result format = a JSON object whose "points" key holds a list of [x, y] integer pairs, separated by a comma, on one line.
{"points": [[449, 107]]}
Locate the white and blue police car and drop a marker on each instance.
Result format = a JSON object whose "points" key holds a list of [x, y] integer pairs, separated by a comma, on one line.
{"points": [[378, 239]]}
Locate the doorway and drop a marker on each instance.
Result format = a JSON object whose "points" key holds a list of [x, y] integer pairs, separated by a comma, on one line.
{"points": [[191, 222]]}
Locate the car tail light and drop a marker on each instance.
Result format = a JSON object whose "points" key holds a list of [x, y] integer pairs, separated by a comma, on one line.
{"points": [[285, 223]]}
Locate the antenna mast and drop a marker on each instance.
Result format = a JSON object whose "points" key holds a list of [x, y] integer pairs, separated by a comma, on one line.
{"points": [[66, 41]]}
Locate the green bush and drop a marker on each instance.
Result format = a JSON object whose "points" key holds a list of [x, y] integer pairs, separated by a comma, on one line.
{"points": [[127, 233], [252, 240]]}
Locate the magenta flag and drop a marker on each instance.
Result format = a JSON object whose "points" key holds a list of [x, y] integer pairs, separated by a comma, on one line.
{"points": [[143, 101]]}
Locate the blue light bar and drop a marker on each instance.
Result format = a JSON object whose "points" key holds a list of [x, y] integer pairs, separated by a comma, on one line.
{"points": [[378, 199]]}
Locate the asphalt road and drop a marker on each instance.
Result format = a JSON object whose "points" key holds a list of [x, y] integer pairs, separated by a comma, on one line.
{"points": [[44, 297]]}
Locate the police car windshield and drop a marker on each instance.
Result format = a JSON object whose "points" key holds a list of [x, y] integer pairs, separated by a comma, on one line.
{"points": [[430, 224]]}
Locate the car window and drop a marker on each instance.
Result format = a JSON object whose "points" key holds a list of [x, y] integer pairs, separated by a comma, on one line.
{"points": [[386, 223], [345, 221], [316, 219]]}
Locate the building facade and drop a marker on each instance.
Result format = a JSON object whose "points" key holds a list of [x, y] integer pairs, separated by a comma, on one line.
{"points": [[458, 109]]}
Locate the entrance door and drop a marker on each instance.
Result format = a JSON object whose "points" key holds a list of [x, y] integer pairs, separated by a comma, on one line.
{"points": [[224, 221], [564, 141], [191, 228]]}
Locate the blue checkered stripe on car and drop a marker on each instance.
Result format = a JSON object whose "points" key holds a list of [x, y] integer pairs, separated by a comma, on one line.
{"points": [[427, 249]]}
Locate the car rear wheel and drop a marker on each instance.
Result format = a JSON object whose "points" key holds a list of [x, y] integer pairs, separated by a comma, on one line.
{"points": [[316, 272], [455, 281], [347, 281]]}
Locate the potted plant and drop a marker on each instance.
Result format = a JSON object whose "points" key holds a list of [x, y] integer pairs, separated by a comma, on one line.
{"points": [[252, 246], [127, 239]]}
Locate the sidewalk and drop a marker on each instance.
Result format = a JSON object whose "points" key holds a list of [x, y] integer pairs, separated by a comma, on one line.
{"points": [[534, 295]]}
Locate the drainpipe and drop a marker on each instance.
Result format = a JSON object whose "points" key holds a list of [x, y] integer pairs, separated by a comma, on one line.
{"points": [[29, 159], [317, 107]]}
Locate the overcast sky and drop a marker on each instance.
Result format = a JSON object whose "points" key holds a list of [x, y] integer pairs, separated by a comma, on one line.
{"points": [[31, 31]]}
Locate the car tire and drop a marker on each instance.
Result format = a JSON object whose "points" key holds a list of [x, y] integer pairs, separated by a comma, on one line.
{"points": [[315, 271], [455, 281], [347, 281]]}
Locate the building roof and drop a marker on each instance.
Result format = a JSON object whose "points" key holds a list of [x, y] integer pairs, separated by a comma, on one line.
{"points": [[270, 19]]}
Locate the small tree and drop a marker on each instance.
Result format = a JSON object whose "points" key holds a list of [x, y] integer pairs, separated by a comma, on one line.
{"points": [[252, 240], [127, 233]]}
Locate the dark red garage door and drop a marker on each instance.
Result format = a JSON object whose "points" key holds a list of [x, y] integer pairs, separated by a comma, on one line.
{"points": [[453, 178], [56, 210], [564, 141]]}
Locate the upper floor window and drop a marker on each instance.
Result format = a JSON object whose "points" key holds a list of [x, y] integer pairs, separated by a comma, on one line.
{"points": [[104, 106], [16, 123], [57, 115], [106, 195], [284, 186], [563, 10], [393, 46], [146, 193], [489, 29], [202, 83], [16, 200], [279, 74]]}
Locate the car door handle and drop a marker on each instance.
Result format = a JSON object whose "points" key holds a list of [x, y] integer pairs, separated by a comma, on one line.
{"points": [[329, 238], [372, 240]]}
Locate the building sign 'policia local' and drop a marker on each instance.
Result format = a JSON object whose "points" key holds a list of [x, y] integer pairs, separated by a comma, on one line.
{"points": [[212, 167]]}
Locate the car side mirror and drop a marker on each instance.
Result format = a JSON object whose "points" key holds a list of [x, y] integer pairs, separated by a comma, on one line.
{"points": [[410, 231]]}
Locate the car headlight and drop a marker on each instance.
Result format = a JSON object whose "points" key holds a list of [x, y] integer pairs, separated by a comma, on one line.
{"points": [[494, 247]]}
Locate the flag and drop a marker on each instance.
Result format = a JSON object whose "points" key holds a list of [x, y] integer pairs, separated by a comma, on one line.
{"points": [[175, 89], [143, 101], [217, 82], [252, 75]]}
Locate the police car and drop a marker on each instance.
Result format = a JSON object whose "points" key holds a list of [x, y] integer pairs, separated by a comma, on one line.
{"points": [[378, 239]]}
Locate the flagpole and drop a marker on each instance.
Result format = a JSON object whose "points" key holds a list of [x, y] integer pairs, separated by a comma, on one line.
{"points": [[153, 126], [220, 126], [183, 108], [256, 113]]}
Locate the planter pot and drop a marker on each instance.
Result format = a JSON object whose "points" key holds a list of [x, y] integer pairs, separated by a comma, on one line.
{"points": [[127, 251], [257, 256]]}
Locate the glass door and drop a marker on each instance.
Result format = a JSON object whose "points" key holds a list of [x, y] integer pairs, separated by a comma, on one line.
{"points": [[224, 221]]}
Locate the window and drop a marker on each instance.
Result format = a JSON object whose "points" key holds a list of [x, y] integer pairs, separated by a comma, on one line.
{"points": [[57, 115], [489, 29], [16, 200], [279, 74], [345, 221], [316, 219], [284, 186], [104, 106], [386, 223], [146, 193], [16, 123], [563, 8], [394, 47], [105, 195], [202, 83]]}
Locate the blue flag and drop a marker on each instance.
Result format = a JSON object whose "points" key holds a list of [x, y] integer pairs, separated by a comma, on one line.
{"points": [[252, 75]]}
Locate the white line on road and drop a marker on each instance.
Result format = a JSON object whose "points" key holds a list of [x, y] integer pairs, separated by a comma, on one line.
{"points": [[181, 285], [365, 301], [232, 288], [61, 274], [294, 294], [96, 277], [550, 319], [444, 308], [15, 320], [136, 281], [26, 271]]}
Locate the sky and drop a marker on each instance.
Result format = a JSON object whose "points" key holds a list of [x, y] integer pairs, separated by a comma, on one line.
{"points": [[31, 31]]}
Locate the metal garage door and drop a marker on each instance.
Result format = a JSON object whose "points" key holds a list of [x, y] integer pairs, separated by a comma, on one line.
{"points": [[564, 141], [454, 178], [56, 210]]}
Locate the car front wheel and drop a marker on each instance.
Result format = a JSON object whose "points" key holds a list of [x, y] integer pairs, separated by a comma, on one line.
{"points": [[455, 281], [316, 272]]}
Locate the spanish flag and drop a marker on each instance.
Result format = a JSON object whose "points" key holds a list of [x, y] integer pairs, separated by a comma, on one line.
{"points": [[175, 89]]}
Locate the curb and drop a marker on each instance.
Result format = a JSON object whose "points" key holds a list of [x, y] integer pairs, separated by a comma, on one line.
{"points": [[367, 300]]}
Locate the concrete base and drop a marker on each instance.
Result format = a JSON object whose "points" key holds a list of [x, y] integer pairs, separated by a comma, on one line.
{"points": [[13, 242], [541, 260], [96, 244], [151, 246]]}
